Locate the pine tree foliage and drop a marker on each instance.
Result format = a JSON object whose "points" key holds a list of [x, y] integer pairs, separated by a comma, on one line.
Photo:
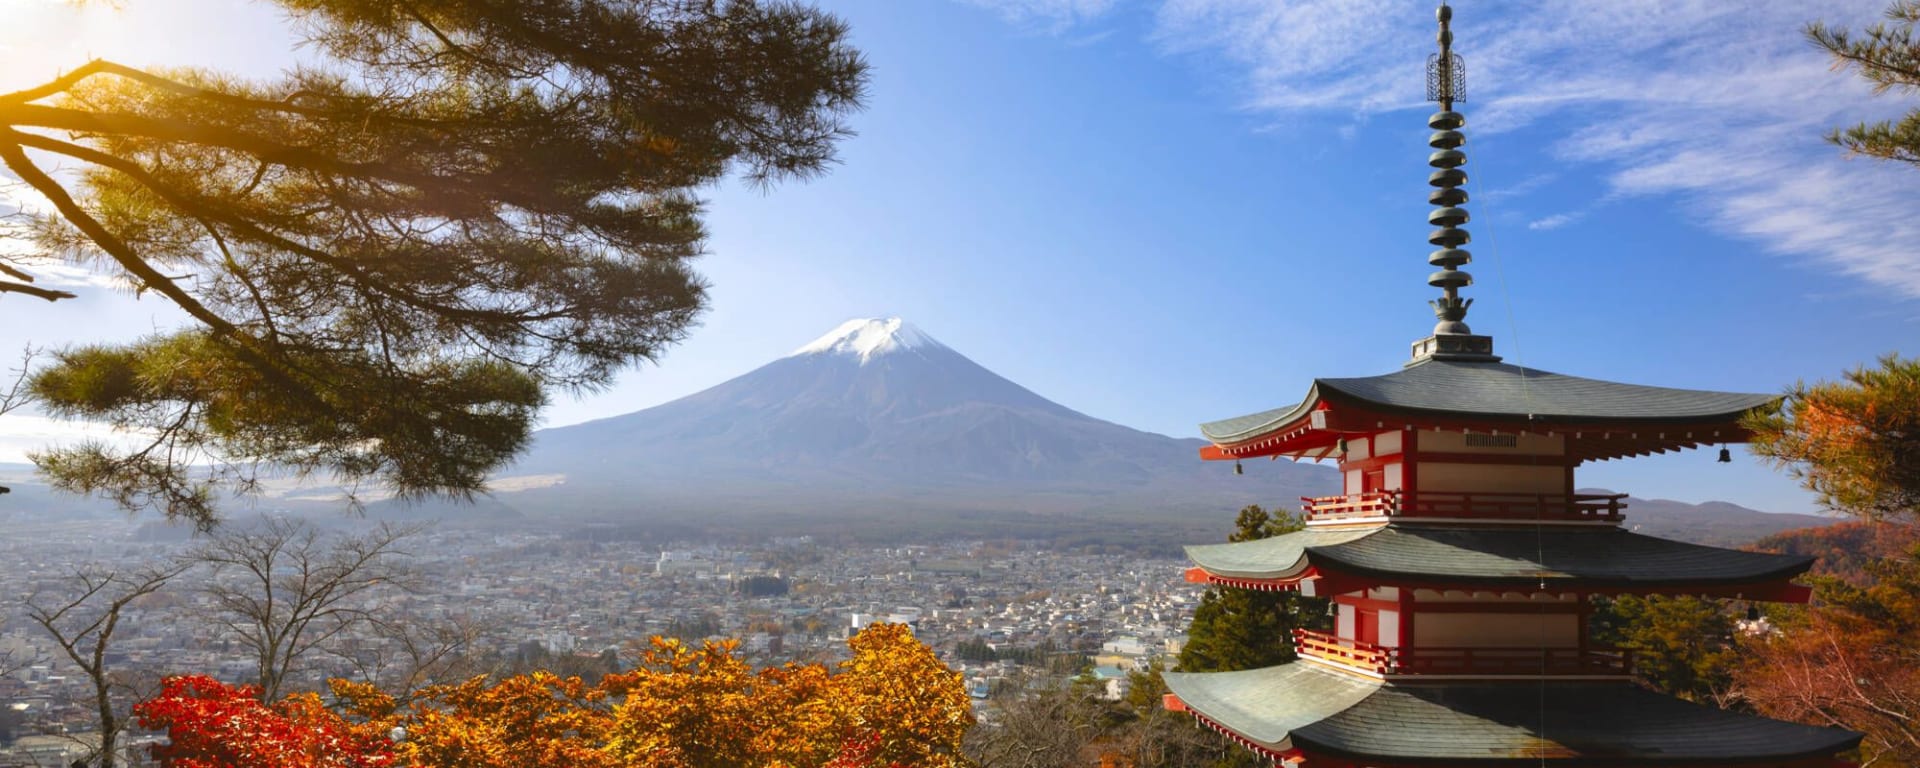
{"points": [[390, 256], [1855, 442], [1850, 658], [1236, 629], [1681, 645], [1887, 54]]}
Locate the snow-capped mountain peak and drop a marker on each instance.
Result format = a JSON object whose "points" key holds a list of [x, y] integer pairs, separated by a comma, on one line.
{"points": [[868, 338]]}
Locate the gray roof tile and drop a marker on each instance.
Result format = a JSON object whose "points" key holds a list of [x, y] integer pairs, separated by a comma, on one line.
{"points": [[1557, 720], [1333, 713], [1266, 704], [1513, 555], [1499, 390]]}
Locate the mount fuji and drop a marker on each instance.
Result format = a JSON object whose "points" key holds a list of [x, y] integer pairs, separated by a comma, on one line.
{"points": [[877, 416]]}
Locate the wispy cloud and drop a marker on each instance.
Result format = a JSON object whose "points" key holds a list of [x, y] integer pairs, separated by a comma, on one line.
{"points": [[22, 433], [54, 274], [1557, 220], [1722, 104], [1052, 16], [1082, 41], [1516, 189]]}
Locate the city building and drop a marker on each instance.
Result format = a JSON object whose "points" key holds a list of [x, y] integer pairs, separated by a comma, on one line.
{"points": [[1463, 565]]}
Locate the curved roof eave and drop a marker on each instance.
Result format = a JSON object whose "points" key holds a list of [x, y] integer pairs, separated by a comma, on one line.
{"points": [[1274, 557], [1265, 705], [1498, 390], [1253, 425], [1477, 556], [1322, 711], [1580, 723]]}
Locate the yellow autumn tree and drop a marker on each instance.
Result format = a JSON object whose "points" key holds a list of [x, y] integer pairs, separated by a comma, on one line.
{"points": [[898, 689], [525, 721], [694, 708], [891, 704]]}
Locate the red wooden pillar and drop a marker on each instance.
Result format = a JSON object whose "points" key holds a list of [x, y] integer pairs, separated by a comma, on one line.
{"points": [[1409, 462]]}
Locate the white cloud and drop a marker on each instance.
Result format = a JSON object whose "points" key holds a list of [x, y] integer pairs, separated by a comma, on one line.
{"points": [[1517, 189], [1054, 16], [20, 433], [57, 275], [1723, 104], [1556, 221]]}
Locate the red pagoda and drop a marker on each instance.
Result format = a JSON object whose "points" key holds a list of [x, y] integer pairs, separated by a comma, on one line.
{"points": [[1461, 563]]}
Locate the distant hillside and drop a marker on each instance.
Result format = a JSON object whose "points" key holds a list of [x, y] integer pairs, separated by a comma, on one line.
{"points": [[1716, 523], [31, 500], [1845, 548], [877, 517]]}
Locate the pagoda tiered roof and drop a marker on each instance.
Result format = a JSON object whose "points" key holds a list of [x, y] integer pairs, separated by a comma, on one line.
{"points": [[1300, 707], [1459, 559], [1597, 559], [1606, 419]]}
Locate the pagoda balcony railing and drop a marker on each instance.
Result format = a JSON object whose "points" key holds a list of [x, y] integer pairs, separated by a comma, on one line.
{"points": [[1385, 660], [1578, 507], [1353, 653]]}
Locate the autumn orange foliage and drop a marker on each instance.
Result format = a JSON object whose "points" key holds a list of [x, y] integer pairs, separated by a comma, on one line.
{"points": [[891, 704], [1852, 659], [1855, 442], [214, 725]]}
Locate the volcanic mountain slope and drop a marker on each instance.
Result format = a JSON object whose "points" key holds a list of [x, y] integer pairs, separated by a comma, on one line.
{"points": [[881, 416]]}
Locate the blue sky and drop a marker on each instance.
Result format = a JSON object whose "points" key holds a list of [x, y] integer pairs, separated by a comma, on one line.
{"points": [[1161, 212]]}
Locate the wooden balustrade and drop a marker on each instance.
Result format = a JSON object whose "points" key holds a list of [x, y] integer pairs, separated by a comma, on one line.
{"points": [[1463, 661], [1494, 506], [1370, 504], [1349, 652], [1513, 661]]}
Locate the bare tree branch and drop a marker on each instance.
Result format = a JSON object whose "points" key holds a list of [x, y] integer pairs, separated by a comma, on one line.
{"points": [[286, 591], [82, 624], [15, 395], [403, 657]]}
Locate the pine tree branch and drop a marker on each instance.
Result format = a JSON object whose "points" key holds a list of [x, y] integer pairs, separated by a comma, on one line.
{"points": [[163, 129], [246, 228], [7, 286], [111, 244]]}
